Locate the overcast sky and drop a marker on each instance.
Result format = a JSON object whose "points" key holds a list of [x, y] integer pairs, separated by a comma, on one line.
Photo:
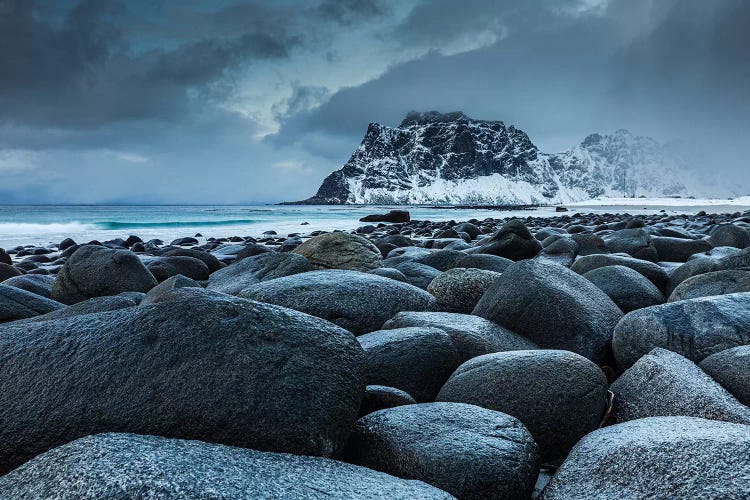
{"points": [[256, 101]]}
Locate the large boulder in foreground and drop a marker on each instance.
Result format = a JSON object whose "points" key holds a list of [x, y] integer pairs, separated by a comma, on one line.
{"points": [[663, 383], [359, 302], [472, 335], [468, 451], [251, 270], [207, 367], [417, 360], [554, 307], [341, 250], [135, 466], [16, 303], [558, 395], [695, 328], [94, 271], [731, 368], [660, 457]]}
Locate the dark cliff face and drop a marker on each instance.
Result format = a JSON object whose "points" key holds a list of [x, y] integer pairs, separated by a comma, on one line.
{"points": [[429, 145], [436, 157]]}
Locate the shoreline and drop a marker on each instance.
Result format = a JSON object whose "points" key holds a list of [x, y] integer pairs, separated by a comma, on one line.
{"points": [[46, 225], [49, 258]]}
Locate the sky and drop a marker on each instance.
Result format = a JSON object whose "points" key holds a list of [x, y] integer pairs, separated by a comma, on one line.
{"points": [[244, 101]]}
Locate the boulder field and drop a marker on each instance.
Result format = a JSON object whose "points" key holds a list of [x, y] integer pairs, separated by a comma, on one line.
{"points": [[575, 356]]}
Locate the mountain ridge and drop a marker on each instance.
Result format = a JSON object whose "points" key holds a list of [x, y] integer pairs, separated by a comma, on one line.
{"points": [[452, 159]]}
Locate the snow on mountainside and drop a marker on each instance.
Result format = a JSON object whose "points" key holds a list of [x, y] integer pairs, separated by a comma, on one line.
{"points": [[435, 158]]}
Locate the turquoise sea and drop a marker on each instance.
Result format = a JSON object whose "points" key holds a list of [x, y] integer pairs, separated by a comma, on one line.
{"points": [[44, 224]]}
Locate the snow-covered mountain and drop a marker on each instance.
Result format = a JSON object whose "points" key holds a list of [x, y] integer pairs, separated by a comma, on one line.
{"points": [[435, 158]]}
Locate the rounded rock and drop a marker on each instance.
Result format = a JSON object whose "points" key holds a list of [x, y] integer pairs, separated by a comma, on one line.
{"points": [[359, 302], [207, 366], [471, 335], [94, 271], [663, 383], [731, 369], [695, 328], [340, 250], [660, 457], [558, 395], [458, 290], [135, 466], [553, 307], [627, 288], [415, 360], [470, 452]]}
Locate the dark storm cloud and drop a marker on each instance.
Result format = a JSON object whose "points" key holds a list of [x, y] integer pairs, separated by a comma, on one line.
{"points": [[81, 73]]}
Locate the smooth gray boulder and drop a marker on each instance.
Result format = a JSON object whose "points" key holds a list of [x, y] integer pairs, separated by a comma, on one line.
{"points": [[513, 241], [380, 397], [636, 242], [442, 260], [729, 235], [419, 275], [172, 283], [562, 251], [471, 335], [255, 269], [340, 250], [660, 457], [470, 452], [458, 290], [652, 271], [40, 284], [558, 395], [94, 271], [706, 264], [710, 284], [627, 288], [212, 263], [484, 261], [695, 328], [731, 368], [16, 303], [165, 267], [135, 466], [417, 360], [389, 272], [663, 383], [209, 366], [678, 249], [359, 302], [554, 307]]}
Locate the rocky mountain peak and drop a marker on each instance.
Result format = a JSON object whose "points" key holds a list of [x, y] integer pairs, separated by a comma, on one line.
{"points": [[450, 158]]}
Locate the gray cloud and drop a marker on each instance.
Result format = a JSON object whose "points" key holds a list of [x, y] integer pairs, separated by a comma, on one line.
{"points": [[137, 99], [85, 73]]}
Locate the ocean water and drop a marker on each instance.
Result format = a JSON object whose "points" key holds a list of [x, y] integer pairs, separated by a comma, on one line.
{"points": [[43, 224]]}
